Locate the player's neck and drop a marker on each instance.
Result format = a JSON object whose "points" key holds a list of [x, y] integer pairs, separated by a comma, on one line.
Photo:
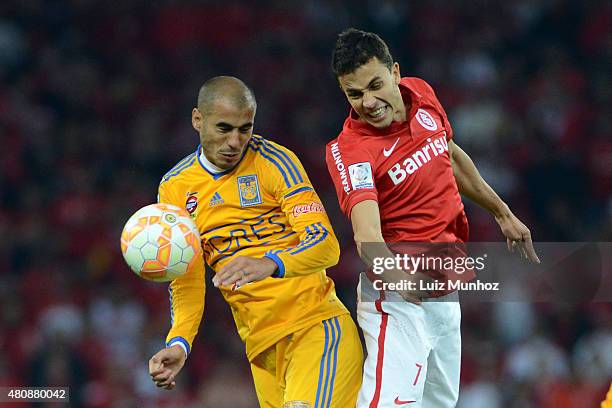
{"points": [[400, 115]]}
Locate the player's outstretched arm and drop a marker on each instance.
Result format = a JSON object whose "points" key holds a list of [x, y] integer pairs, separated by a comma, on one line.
{"points": [[165, 365], [472, 185]]}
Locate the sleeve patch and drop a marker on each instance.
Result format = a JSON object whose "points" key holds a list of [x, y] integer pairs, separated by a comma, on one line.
{"points": [[312, 207], [361, 175]]}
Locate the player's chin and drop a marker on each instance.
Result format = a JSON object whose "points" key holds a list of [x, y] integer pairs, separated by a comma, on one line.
{"points": [[229, 160]]}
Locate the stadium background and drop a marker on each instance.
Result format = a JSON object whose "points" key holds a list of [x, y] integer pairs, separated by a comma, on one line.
{"points": [[95, 103]]}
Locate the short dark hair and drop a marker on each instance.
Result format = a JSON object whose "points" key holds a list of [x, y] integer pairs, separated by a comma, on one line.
{"points": [[228, 87], [355, 48]]}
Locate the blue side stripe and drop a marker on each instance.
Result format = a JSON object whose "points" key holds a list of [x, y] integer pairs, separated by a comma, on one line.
{"points": [[299, 190], [311, 244], [183, 161], [257, 149], [262, 144], [171, 305], [312, 235], [335, 363], [180, 165], [322, 366], [286, 156], [179, 170], [333, 341]]}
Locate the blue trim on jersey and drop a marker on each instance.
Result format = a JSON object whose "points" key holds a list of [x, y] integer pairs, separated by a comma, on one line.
{"points": [[320, 237], [182, 165], [329, 354], [282, 156], [321, 365], [280, 272], [286, 156], [310, 235], [335, 363], [256, 148], [299, 190], [181, 340]]}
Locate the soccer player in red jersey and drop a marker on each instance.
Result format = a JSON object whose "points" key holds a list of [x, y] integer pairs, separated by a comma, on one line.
{"points": [[398, 175]]}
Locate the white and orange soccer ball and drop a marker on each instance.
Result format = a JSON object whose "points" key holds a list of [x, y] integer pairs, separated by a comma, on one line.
{"points": [[160, 242]]}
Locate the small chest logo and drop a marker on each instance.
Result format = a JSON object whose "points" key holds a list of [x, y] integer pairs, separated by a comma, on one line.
{"points": [[191, 204], [216, 200], [248, 190], [425, 120]]}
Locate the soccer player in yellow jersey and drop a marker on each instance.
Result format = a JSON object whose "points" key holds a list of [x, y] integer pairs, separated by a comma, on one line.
{"points": [[266, 235]]}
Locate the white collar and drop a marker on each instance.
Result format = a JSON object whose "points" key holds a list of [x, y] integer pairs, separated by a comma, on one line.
{"points": [[208, 165]]}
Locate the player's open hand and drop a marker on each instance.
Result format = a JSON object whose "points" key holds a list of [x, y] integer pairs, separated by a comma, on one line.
{"points": [[517, 235], [243, 270], [165, 365]]}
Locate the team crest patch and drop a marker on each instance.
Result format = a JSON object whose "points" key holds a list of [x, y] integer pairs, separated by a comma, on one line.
{"points": [[191, 204], [426, 120], [361, 175], [248, 190]]}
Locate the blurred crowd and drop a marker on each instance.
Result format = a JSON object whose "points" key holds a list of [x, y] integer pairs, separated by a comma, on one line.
{"points": [[95, 102]]}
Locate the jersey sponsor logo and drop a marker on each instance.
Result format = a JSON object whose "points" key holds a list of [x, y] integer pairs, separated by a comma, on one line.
{"points": [[335, 151], [191, 204], [227, 240], [398, 172], [248, 190], [216, 200], [361, 175], [301, 209], [426, 120], [386, 152]]}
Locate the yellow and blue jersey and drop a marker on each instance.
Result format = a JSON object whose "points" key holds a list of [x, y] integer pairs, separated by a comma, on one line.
{"points": [[264, 206]]}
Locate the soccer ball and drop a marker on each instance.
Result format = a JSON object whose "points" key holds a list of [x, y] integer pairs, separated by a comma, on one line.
{"points": [[160, 242]]}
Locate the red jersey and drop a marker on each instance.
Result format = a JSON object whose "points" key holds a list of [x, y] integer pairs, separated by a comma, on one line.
{"points": [[406, 168]]}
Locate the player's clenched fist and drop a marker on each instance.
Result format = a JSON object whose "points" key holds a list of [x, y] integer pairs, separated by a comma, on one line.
{"points": [[243, 270], [165, 365]]}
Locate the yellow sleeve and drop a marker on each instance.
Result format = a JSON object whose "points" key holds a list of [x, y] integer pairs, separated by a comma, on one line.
{"points": [[608, 402], [186, 292], [318, 248]]}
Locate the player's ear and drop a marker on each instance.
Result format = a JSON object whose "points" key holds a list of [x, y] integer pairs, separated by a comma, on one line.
{"points": [[196, 119], [395, 71]]}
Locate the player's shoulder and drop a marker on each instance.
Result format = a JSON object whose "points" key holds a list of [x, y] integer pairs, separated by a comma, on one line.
{"points": [[180, 168], [418, 85], [345, 142], [268, 151], [272, 156]]}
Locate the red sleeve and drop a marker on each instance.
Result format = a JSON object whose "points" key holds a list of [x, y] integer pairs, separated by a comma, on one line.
{"points": [[352, 171]]}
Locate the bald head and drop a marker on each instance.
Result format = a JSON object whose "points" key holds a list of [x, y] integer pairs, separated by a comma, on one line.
{"points": [[229, 89]]}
